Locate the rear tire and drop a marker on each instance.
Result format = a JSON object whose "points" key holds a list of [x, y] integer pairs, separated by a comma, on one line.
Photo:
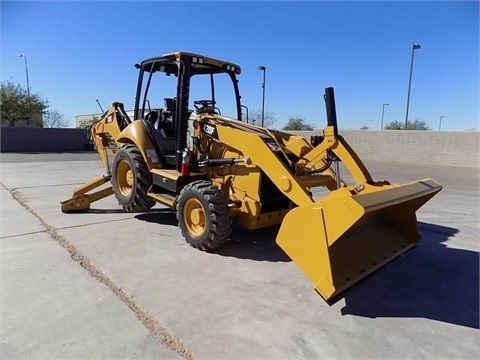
{"points": [[202, 213], [131, 180]]}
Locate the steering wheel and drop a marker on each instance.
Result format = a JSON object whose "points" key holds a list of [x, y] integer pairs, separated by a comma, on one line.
{"points": [[201, 104]]}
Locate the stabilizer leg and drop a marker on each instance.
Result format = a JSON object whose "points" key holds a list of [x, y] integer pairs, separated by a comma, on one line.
{"points": [[80, 201]]}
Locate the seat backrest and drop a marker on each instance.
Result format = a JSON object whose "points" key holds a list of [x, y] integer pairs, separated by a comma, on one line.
{"points": [[168, 116], [169, 105], [152, 117]]}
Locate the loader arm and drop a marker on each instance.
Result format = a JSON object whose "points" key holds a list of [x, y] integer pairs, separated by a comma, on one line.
{"points": [[256, 144], [252, 143], [343, 151]]}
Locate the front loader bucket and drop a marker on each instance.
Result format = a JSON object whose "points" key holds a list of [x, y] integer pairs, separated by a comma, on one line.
{"points": [[342, 238]]}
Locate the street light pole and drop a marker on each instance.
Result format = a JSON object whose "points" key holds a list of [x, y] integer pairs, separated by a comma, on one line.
{"points": [[440, 123], [28, 88], [263, 68], [26, 72], [414, 47], [383, 112]]}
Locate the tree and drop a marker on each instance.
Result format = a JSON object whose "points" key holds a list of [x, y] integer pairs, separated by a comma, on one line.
{"points": [[17, 105], [85, 123], [54, 119], [394, 125], [297, 123], [411, 125], [255, 117], [417, 125]]}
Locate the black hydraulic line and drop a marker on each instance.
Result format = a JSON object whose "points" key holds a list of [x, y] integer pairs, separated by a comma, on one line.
{"points": [[219, 162], [328, 163]]}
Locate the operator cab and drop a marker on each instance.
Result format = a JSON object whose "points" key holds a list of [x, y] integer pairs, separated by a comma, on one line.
{"points": [[172, 87]]}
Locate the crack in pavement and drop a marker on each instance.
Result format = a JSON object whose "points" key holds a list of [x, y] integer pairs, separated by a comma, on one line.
{"points": [[45, 186], [155, 328], [22, 234]]}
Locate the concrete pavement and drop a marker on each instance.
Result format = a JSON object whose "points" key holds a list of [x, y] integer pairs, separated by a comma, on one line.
{"points": [[110, 285]]}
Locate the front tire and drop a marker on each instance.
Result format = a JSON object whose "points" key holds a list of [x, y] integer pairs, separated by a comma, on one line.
{"points": [[202, 213], [131, 179]]}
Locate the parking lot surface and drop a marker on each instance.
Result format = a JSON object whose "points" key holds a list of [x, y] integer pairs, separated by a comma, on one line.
{"points": [[106, 284]]}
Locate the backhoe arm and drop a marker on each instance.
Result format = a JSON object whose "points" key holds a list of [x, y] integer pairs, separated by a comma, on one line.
{"points": [[103, 134]]}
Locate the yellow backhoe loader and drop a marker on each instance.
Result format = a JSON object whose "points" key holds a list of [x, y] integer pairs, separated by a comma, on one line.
{"points": [[201, 159]]}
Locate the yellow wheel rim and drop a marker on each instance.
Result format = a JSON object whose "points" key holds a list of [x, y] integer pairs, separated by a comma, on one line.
{"points": [[194, 217], [125, 178]]}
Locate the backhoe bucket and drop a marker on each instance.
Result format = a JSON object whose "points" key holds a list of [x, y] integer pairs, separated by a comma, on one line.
{"points": [[347, 236]]}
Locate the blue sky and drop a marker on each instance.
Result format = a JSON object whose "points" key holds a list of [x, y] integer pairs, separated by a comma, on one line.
{"points": [[78, 52]]}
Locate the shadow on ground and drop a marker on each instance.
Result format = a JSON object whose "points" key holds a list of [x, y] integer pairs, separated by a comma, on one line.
{"points": [[102, 211], [159, 216], [433, 281], [258, 245]]}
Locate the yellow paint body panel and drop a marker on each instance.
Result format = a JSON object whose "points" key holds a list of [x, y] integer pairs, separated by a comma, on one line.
{"points": [[136, 134]]}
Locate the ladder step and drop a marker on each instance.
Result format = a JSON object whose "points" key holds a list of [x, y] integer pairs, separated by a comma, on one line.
{"points": [[164, 198]]}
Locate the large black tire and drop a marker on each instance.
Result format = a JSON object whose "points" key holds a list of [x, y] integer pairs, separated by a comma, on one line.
{"points": [[202, 213], [131, 180]]}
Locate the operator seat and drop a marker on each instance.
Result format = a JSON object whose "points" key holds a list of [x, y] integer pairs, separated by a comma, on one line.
{"points": [[152, 118], [161, 131], [168, 116]]}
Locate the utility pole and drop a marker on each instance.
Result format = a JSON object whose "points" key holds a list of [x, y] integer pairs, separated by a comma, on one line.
{"points": [[28, 87], [414, 47], [383, 112], [263, 68], [26, 72], [440, 123]]}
